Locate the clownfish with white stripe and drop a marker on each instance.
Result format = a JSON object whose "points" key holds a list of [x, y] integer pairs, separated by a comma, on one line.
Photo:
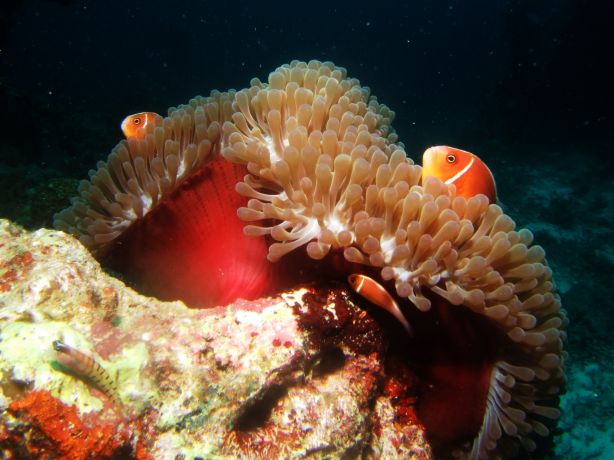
{"points": [[463, 169], [132, 124], [376, 294]]}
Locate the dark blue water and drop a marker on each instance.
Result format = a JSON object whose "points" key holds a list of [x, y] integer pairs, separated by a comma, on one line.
{"points": [[522, 83], [518, 72]]}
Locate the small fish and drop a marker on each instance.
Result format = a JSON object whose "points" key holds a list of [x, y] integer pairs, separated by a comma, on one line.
{"points": [[376, 294], [132, 123], [85, 367], [463, 169]]}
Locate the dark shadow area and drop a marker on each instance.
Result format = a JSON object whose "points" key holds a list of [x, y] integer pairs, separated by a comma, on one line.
{"points": [[329, 362], [259, 412]]}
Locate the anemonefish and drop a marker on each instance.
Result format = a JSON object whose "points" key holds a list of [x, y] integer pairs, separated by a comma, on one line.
{"points": [[132, 123], [463, 169], [378, 295]]}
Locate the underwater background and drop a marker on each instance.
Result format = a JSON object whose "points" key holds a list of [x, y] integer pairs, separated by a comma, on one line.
{"points": [[520, 83]]}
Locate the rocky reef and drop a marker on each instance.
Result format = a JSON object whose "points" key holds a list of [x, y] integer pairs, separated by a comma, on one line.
{"points": [[303, 374]]}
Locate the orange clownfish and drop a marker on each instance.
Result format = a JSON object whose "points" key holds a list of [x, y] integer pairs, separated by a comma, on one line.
{"points": [[132, 123], [378, 295], [463, 169]]}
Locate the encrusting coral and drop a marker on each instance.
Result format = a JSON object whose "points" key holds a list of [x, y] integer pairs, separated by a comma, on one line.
{"points": [[323, 170]]}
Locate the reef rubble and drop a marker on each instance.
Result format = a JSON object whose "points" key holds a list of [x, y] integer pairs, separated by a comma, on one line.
{"points": [[302, 374]]}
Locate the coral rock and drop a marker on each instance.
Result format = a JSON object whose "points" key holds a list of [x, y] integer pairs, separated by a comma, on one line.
{"points": [[296, 375]]}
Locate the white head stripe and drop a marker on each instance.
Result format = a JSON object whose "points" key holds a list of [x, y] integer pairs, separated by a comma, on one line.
{"points": [[459, 174], [361, 281]]}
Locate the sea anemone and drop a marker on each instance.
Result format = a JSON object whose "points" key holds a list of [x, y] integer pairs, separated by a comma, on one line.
{"points": [[154, 210], [317, 165]]}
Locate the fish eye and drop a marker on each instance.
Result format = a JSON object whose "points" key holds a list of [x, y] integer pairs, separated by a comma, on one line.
{"points": [[137, 121], [451, 158]]}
